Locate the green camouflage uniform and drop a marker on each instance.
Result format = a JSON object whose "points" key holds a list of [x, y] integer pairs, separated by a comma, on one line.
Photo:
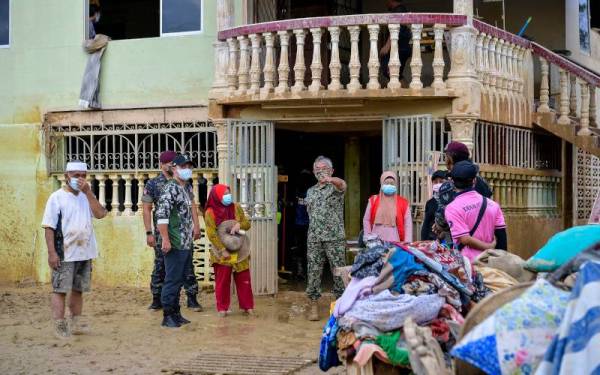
{"points": [[152, 192], [326, 236]]}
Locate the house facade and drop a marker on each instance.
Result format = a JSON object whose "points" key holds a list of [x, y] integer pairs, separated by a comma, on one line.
{"points": [[257, 89]]}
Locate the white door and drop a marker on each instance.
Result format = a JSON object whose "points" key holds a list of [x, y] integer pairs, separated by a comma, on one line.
{"points": [[252, 178], [409, 145]]}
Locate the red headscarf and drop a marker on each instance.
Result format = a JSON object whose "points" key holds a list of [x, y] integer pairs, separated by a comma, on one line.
{"points": [[214, 203]]}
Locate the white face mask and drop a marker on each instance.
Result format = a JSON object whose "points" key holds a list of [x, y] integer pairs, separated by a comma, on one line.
{"points": [[436, 189]]}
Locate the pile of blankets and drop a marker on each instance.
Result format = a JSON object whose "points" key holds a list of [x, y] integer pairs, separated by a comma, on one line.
{"points": [[427, 281]]}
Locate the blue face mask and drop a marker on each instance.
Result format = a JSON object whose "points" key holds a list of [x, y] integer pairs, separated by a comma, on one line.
{"points": [[185, 173], [388, 189], [227, 200], [73, 183]]}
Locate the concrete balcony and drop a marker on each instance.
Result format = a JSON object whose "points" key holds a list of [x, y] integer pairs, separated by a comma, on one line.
{"points": [[328, 59]]}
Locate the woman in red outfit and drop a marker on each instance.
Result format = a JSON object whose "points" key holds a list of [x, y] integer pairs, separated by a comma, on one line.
{"points": [[219, 208]]}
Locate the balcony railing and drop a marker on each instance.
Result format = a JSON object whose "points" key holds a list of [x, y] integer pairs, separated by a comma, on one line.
{"points": [[497, 51], [310, 56]]}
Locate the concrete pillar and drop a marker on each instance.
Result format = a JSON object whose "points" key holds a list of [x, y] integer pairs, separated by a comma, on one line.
{"points": [[463, 129], [222, 149], [464, 7], [352, 214], [225, 20], [462, 78]]}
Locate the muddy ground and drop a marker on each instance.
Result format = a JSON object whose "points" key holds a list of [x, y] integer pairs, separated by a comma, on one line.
{"points": [[126, 337]]}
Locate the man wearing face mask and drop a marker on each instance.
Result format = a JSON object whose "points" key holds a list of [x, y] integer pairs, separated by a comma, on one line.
{"points": [[152, 192], [431, 207], [176, 226], [326, 233], [71, 245]]}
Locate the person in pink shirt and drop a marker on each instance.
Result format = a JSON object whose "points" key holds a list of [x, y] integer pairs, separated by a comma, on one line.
{"points": [[476, 223], [388, 214]]}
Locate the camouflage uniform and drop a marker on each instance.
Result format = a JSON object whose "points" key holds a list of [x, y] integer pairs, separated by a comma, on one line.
{"points": [[326, 236], [152, 192]]}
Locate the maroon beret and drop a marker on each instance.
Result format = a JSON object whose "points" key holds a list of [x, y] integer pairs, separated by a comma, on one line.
{"points": [[167, 156]]}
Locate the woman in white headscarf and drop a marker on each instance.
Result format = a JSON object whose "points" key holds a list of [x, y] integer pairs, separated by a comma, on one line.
{"points": [[388, 214]]}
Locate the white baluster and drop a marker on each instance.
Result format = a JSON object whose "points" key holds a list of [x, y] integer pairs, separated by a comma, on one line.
{"points": [[354, 59], [269, 68], [520, 87], [208, 177], [510, 83], [416, 64], [585, 110], [573, 95], [244, 67], [232, 76], [299, 67], [564, 99], [438, 57], [316, 66], [544, 87], [394, 64], [373, 63], [255, 65], [493, 76], [127, 203], [114, 202], [335, 65], [284, 65], [485, 72], [196, 187], [504, 81], [101, 189], [61, 180], [479, 55], [593, 113], [139, 203]]}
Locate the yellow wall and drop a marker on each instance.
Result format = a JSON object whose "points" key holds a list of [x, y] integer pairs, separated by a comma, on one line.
{"points": [[24, 188]]}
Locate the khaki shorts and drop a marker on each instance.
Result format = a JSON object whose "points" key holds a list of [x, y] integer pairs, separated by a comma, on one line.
{"points": [[72, 276]]}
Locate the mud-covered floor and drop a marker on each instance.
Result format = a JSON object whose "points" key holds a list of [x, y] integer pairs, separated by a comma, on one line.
{"points": [[126, 338]]}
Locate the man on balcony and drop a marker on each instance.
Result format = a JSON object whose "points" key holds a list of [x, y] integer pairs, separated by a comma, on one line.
{"points": [[404, 48], [152, 192], [71, 246]]}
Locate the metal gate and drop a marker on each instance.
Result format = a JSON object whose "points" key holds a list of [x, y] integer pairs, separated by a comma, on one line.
{"points": [[409, 144], [252, 178]]}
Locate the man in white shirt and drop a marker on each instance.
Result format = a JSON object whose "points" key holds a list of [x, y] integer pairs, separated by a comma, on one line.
{"points": [[71, 245]]}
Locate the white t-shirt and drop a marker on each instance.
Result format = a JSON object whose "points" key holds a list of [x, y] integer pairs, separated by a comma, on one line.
{"points": [[75, 223]]}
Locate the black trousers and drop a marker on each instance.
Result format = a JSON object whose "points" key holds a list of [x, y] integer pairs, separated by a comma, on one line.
{"points": [[176, 262]]}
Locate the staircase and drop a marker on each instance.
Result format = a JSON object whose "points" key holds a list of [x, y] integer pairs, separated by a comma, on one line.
{"points": [[573, 117]]}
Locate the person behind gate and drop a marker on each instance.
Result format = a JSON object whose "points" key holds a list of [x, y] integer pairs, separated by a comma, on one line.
{"points": [[388, 214], [220, 208], [176, 226], [326, 232], [71, 245], [152, 191]]}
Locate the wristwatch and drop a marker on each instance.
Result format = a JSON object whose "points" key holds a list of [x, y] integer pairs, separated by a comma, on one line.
{"points": [[149, 232]]}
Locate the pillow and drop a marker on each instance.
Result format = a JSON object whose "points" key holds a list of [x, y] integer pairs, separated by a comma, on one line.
{"points": [[515, 337], [562, 247]]}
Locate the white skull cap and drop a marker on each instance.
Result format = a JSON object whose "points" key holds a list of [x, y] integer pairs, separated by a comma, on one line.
{"points": [[76, 166]]}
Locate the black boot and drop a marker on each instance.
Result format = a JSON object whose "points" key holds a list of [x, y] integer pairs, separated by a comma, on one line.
{"points": [[170, 319], [179, 318], [156, 304], [192, 303]]}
